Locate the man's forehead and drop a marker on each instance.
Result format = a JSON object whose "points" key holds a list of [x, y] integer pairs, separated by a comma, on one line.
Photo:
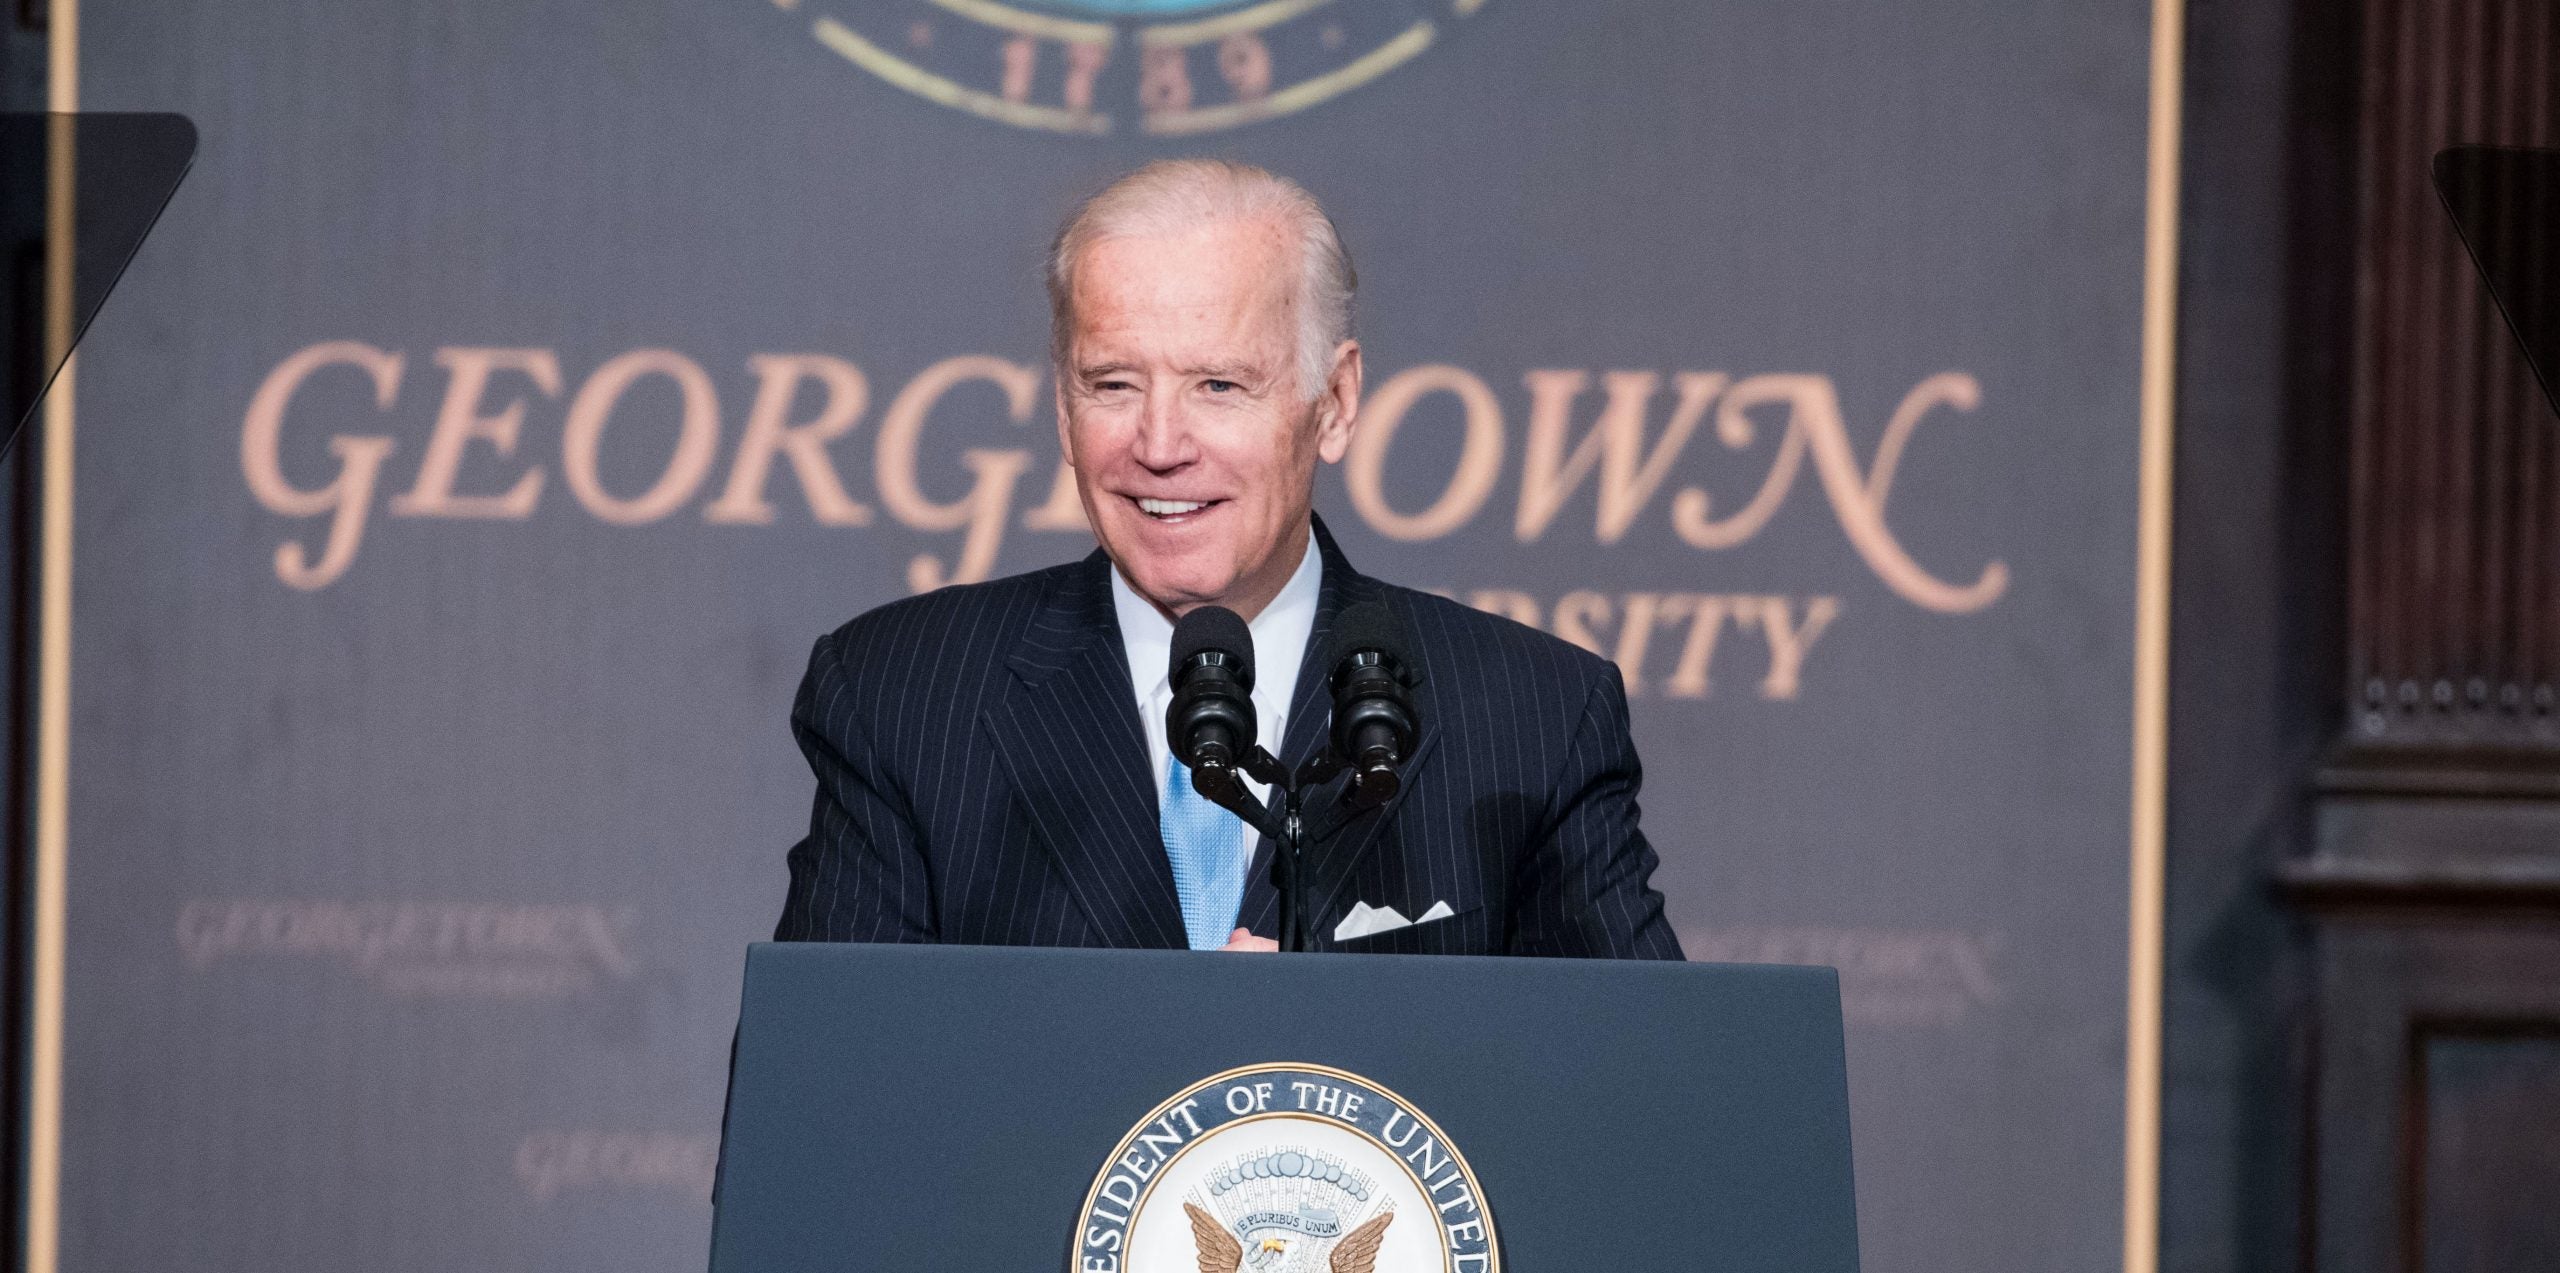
{"points": [[1217, 263], [1186, 298]]}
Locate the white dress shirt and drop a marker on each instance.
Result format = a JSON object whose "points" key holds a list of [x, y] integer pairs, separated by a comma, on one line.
{"points": [[1280, 635]]}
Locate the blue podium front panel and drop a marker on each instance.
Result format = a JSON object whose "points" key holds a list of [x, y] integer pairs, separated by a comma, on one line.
{"points": [[970, 1110]]}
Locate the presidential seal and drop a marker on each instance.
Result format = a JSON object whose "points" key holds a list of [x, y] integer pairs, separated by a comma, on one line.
{"points": [[1090, 66], [1285, 1169]]}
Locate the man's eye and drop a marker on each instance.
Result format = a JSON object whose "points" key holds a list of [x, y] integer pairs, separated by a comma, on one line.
{"points": [[1221, 386], [1106, 386]]}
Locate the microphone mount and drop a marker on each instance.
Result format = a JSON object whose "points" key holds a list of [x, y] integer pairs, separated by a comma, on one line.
{"points": [[1372, 733]]}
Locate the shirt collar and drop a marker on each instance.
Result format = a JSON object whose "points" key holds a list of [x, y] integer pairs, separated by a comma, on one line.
{"points": [[1280, 633]]}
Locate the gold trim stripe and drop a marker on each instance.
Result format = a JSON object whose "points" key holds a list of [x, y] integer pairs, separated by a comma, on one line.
{"points": [[1179, 34], [1299, 96], [2148, 911], [925, 84], [1011, 19], [53, 662]]}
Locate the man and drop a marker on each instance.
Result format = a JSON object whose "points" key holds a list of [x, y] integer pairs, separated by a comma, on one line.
{"points": [[991, 759]]}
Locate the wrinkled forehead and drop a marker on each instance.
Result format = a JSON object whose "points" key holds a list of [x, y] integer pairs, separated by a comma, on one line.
{"points": [[1224, 280]]}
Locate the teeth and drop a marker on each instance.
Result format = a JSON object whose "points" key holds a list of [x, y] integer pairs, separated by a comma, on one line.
{"points": [[1170, 507]]}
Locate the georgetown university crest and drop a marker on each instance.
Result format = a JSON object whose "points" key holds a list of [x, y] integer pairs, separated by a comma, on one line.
{"points": [[1093, 67], [1285, 1169]]}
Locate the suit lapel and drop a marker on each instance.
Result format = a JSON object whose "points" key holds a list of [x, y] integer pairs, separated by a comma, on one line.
{"points": [[1068, 732], [1310, 708], [1336, 843], [1334, 856]]}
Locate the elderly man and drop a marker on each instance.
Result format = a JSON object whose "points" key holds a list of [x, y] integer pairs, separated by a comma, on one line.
{"points": [[991, 759]]}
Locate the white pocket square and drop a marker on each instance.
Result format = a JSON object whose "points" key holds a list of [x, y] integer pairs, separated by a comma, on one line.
{"points": [[1369, 921]]}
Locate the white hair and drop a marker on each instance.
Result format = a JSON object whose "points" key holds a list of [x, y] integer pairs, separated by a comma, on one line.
{"points": [[1170, 196]]}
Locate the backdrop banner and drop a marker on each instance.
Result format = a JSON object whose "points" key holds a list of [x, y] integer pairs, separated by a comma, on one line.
{"points": [[517, 390]]}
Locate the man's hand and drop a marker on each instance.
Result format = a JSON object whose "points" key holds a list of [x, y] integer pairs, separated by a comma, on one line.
{"points": [[1243, 939]]}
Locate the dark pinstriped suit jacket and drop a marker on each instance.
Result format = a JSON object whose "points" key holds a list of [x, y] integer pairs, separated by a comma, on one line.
{"points": [[983, 779]]}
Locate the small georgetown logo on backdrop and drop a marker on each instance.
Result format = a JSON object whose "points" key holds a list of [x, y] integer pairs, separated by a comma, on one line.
{"points": [[1087, 66], [1285, 1169]]}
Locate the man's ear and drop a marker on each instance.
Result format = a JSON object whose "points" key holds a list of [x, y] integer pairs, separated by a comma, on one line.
{"points": [[1338, 412]]}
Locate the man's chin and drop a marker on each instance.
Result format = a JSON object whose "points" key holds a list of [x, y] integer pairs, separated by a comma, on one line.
{"points": [[1174, 589], [1183, 600]]}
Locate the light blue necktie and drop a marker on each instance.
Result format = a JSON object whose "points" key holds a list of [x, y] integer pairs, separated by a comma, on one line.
{"points": [[1206, 844]]}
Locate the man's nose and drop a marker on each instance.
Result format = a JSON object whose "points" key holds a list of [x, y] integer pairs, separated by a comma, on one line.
{"points": [[1164, 436]]}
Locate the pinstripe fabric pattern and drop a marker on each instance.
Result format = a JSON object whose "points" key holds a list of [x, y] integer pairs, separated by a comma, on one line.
{"points": [[982, 778]]}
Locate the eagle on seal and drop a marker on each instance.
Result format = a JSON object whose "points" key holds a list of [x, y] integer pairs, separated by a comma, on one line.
{"points": [[1221, 1252]]}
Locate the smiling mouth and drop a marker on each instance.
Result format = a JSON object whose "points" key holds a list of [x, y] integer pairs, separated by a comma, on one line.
{"points": [[1174, 510]]}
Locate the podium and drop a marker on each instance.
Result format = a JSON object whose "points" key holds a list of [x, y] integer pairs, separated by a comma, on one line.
{"points": [[1017, 1110]]}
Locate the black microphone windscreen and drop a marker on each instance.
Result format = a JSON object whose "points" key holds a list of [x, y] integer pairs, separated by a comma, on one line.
{"points": [[1367, 625], [1213, 628]]}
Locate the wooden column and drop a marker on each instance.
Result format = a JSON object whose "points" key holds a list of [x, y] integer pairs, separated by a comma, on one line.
{"points": [[2433, 880]]}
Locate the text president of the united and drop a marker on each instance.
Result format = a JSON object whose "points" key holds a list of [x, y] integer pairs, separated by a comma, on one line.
{"points": [[991, 761]]}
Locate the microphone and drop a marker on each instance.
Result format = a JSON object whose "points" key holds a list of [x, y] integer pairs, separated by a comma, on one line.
{"points": [[1211, 725], [1211, 728], [1374, 720]]}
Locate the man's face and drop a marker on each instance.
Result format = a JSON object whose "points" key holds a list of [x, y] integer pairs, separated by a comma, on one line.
{"points": [[1181, 406]]}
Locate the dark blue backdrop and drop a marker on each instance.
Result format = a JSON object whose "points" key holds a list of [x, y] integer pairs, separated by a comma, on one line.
{"points": [[1784, 351]]}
